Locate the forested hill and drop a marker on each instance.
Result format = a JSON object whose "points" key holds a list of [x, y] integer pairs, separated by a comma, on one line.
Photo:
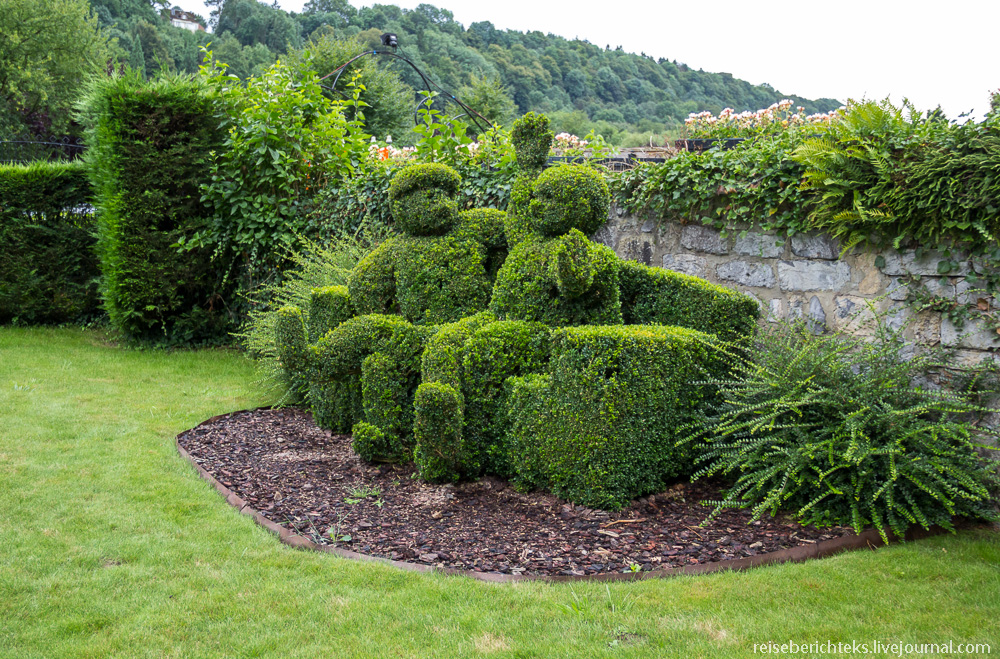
{"points": [[581, 86]]}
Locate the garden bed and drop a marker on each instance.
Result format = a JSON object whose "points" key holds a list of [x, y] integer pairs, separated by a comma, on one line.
{"points": [[310, 481]]}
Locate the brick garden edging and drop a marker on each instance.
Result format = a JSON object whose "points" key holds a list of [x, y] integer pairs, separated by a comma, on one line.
{"points": [[868, 539]]}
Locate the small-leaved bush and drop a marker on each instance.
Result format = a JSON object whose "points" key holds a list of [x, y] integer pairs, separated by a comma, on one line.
{"points": [[314, 266], [838, 430]]}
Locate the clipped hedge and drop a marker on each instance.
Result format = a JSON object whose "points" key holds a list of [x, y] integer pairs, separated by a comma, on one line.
{"points": [[663, 297], [48, 268], [600, 428], [532, 286], [441, 272], [149, 145]]}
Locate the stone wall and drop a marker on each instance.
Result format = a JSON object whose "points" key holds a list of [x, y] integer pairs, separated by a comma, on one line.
{"points": [[806, 277]]}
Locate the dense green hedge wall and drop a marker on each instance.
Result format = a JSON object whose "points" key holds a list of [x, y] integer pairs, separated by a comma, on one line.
{"points": [[149, 143], [48, 268], [600, 428], [663, 297]]}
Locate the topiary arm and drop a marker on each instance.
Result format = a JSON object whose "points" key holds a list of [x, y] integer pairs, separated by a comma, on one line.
{"points": [[372, 285], [573, 264], [328, 307]]}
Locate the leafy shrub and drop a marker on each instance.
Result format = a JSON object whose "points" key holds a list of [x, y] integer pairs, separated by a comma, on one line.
{"points": [[148, 147], [757, 182], [439, 417], [496, 352], [314, 266], [600, 429], [48, 268], [663, 297], [567, 198], [835, 430], [442, 271], [284, 140]]}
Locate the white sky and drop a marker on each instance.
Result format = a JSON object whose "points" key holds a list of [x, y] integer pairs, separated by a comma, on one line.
{"points": [[934, 53]]}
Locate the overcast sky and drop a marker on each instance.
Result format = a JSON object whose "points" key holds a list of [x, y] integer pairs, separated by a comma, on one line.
{"points": [[934, 53]]}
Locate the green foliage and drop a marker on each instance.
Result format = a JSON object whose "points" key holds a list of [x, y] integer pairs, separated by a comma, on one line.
{"points": [[835, 430], [569, 197], [655, 296], [757, 183], [431, 278], [441, 279], [328, 307], [601, 429], [48, 268], [372, 284], [149, 143], [496, 352], [48, 48], [422, 199], [529, 285], [490, 98], [284, 140], [290, 346], [441, 140], [531, 138], [438, 432], [851, 170], [314, 267], [388, 105]]}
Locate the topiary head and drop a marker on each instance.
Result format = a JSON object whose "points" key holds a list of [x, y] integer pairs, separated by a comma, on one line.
{"points": [[422, 198], [569, 197], [531, 138]]}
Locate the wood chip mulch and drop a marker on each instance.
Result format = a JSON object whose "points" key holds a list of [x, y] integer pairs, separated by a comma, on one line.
{"points": [[310, 480]]}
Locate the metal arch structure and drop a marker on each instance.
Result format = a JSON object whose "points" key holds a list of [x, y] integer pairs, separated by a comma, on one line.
{"points": [[428, 84]]}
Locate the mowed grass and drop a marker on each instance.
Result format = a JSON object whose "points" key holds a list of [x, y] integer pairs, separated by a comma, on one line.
{"points": [[112, 546]]}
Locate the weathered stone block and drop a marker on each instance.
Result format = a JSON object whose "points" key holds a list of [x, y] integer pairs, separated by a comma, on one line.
{"points": [[898, 289], [906, 262], [812, 313], [648, 226], [813, 275], [746, 274], [608, 234], [976, 334], [703, 239], [852, 314], [638, 250], [688, 264], [815, 247], [775, 310], [762, 245]]}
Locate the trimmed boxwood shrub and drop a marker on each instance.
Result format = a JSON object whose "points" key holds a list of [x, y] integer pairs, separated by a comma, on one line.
{"points": [[444, 269], [378, 356], [663, 297], [422, 198], [329, 306], [600, 429], [531, 282], [148, 147], [569, 197], [48, 268], [498, 351], [441, 452]]}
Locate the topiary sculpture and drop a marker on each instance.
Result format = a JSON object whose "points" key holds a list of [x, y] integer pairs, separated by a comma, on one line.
{"points": [[575, 378]]}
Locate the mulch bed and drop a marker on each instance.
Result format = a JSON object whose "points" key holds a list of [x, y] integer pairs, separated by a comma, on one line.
{"points": [[309, 480]]}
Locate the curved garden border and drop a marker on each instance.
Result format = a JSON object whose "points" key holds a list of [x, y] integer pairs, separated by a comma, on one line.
{"points": [[868, 539]]}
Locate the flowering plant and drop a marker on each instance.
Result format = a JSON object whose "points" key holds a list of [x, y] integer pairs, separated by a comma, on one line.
{"points": [[769, 121]]}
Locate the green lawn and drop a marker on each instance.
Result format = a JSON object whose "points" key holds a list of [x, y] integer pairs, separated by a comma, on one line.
{"points": [[112, 546]]}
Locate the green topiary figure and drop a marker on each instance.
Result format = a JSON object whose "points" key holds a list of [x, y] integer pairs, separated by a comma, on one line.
{"points": [[555, 274], [443, 268]]}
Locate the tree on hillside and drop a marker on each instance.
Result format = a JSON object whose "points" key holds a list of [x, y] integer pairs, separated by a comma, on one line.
{"points": [[47, 49], [253, 23]]}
